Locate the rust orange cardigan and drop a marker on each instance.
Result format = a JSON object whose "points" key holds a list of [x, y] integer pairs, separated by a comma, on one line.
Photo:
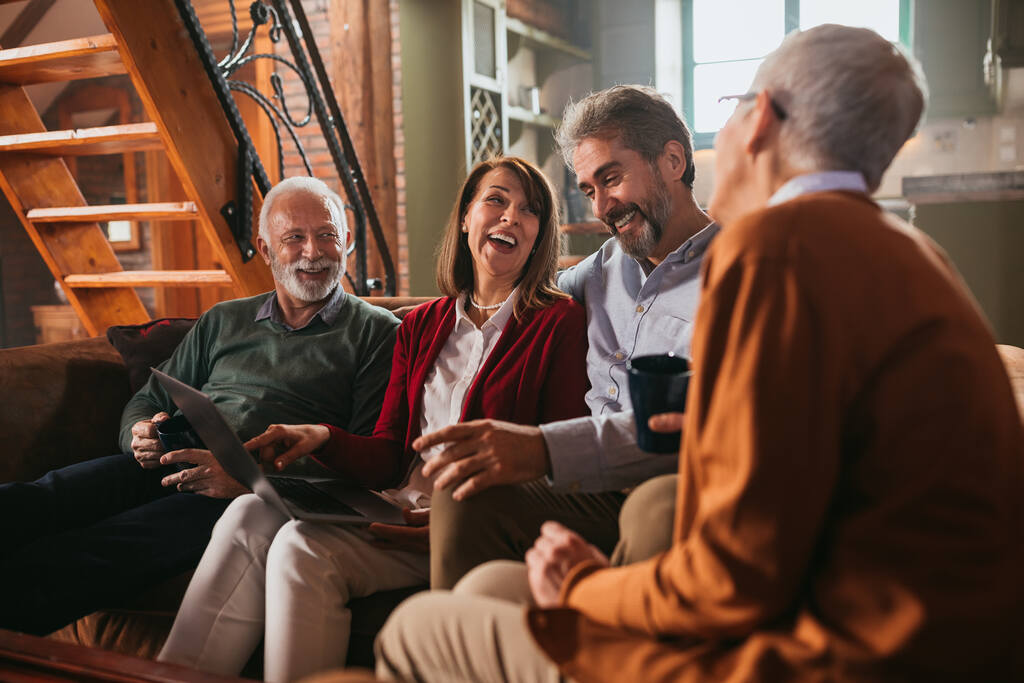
{"points": [[535, 374], [851, 480]]}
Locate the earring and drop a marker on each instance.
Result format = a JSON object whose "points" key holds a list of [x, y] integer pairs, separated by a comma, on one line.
{"points": [[464, 228]]}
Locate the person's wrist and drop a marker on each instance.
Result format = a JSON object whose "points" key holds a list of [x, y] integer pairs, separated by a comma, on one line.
{"points": [[544, 452], [323, 437]]}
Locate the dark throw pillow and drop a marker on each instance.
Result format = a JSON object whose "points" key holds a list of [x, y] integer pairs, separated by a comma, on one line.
{"points": [[147, 345]]}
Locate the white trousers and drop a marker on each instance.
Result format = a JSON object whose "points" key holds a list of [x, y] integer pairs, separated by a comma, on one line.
{"points": [[285, 581]]}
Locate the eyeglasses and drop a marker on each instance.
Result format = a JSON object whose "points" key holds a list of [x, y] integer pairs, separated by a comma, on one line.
{"points": [[780, 113]]}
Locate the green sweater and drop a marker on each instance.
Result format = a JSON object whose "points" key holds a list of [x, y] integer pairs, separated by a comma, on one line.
{"points": [[259, 373]]}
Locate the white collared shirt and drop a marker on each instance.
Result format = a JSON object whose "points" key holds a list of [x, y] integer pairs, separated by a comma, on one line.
{"points": [[824, 181], [446, 386]]}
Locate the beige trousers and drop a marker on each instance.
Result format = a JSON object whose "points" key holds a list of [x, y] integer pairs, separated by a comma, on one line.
{"points": [[503, 522], [478, 632], [443, 636]]}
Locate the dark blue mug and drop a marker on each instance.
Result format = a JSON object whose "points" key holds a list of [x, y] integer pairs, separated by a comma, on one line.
{"points": [[175, 434], [657, 384]]}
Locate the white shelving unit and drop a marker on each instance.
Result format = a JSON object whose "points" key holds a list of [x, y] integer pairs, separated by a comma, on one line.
{"points": [[503, 59]]}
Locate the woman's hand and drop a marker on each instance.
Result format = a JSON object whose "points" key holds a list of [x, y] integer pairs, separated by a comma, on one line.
{"points": [[415, 537], [281, 445]]}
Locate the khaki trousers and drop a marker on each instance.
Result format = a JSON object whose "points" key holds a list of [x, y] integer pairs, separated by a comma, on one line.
{"points": [[443, 636], [478, 632]]}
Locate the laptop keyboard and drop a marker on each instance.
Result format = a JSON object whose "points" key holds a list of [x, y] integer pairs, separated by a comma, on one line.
{"points": [[310, 498]]}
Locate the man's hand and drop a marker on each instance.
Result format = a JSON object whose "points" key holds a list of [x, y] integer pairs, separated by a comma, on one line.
{"points": [[413, 538], [146, 447], [484, 453], [556, 551], [281, 445], [206, 478], [666, 423]]}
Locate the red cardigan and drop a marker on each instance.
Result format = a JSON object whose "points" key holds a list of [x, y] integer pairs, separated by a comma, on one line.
{"points": [[535, 374]]}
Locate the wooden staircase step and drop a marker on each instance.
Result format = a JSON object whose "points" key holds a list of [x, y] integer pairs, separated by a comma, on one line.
{"points": [[65, 60], [588, 228], [161, 211], [131, 137], [151, 278]]}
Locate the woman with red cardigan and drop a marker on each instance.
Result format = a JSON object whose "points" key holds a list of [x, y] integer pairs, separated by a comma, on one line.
{"points": [[504, 343]]}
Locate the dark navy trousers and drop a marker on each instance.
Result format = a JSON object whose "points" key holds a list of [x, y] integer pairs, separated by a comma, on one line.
{"points": [[93, 535]]}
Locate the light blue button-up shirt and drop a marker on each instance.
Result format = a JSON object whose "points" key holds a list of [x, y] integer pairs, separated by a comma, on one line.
{"points": [[632, 310]]}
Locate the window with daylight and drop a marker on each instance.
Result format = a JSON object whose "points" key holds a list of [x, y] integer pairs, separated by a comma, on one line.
{"points": [[724, 41]]}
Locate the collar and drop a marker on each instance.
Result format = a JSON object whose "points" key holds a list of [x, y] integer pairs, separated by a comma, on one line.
{"points": [[851, 181], [498, 319], [690, 250], [328, 313]]}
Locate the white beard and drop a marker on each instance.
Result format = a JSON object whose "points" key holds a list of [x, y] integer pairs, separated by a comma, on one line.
{"points": [[309, 292]]}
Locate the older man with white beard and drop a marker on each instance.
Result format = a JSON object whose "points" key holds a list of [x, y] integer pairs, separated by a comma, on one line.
{"points": [[97, 532]]}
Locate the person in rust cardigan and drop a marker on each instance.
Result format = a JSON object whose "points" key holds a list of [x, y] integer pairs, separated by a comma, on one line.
{"points": [[849, 484], [503, 344]]}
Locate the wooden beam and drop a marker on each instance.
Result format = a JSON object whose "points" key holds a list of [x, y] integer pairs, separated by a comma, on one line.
{"points": [[151, 278], [23, 24], [66, 60], [132, 137], [176, 93], [172, 211], [361, 74]]}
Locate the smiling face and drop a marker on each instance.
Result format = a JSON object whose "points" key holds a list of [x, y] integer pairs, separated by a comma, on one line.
{"points": [[501, 228], [626, 192], [305, 249]]}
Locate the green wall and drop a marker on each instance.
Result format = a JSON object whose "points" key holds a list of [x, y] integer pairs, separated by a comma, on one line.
{"points": [[985, 241], [432, 123]]}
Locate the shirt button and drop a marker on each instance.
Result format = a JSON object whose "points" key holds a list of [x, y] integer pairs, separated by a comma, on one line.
{"points": [[619, 355], [611, 391], [639, 308], [690, 254]]}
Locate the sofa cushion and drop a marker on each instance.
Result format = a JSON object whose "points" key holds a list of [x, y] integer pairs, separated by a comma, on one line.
{"points": [[62, 404], [147, 345]]}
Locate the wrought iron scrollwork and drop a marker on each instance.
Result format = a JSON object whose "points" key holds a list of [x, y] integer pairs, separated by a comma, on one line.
{"points": [[276, 18]]}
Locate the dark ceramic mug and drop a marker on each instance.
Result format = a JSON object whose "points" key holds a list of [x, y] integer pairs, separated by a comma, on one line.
{"points": [[657, 384]]}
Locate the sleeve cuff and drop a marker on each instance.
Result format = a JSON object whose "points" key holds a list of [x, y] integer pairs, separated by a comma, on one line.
{"points": [[575, 575]]}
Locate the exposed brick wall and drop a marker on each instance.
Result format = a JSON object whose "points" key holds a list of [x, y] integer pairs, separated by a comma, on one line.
{"points": [[396, 69], [317, 11]]}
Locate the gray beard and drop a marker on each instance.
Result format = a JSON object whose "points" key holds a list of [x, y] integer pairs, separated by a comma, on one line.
{"points": [[309, 292], [656, 213], [640, 244]]}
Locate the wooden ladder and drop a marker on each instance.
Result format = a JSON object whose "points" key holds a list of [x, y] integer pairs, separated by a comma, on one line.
{"points": [[147, 42]]}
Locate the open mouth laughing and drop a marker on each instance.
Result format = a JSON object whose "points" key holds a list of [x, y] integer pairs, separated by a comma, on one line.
{"points": [[502, 241], [620, 219]]}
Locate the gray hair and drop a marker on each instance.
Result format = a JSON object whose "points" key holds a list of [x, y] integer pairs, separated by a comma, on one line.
{"points": [[641, 118], [851, 99], [313, 186]]}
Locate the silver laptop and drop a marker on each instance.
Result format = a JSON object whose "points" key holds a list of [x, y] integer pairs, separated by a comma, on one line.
{"points": [[307, 498]]}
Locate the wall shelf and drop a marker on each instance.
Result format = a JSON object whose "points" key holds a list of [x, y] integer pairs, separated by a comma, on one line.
{"points": [[543, 40], [528, 117]]}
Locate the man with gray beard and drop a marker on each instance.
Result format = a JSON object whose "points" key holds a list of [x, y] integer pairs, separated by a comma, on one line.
{"points": [[497, 483], [96, 533]]}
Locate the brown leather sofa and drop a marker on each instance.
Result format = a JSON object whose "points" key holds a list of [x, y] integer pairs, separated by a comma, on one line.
{"points": [[62, 404]]}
